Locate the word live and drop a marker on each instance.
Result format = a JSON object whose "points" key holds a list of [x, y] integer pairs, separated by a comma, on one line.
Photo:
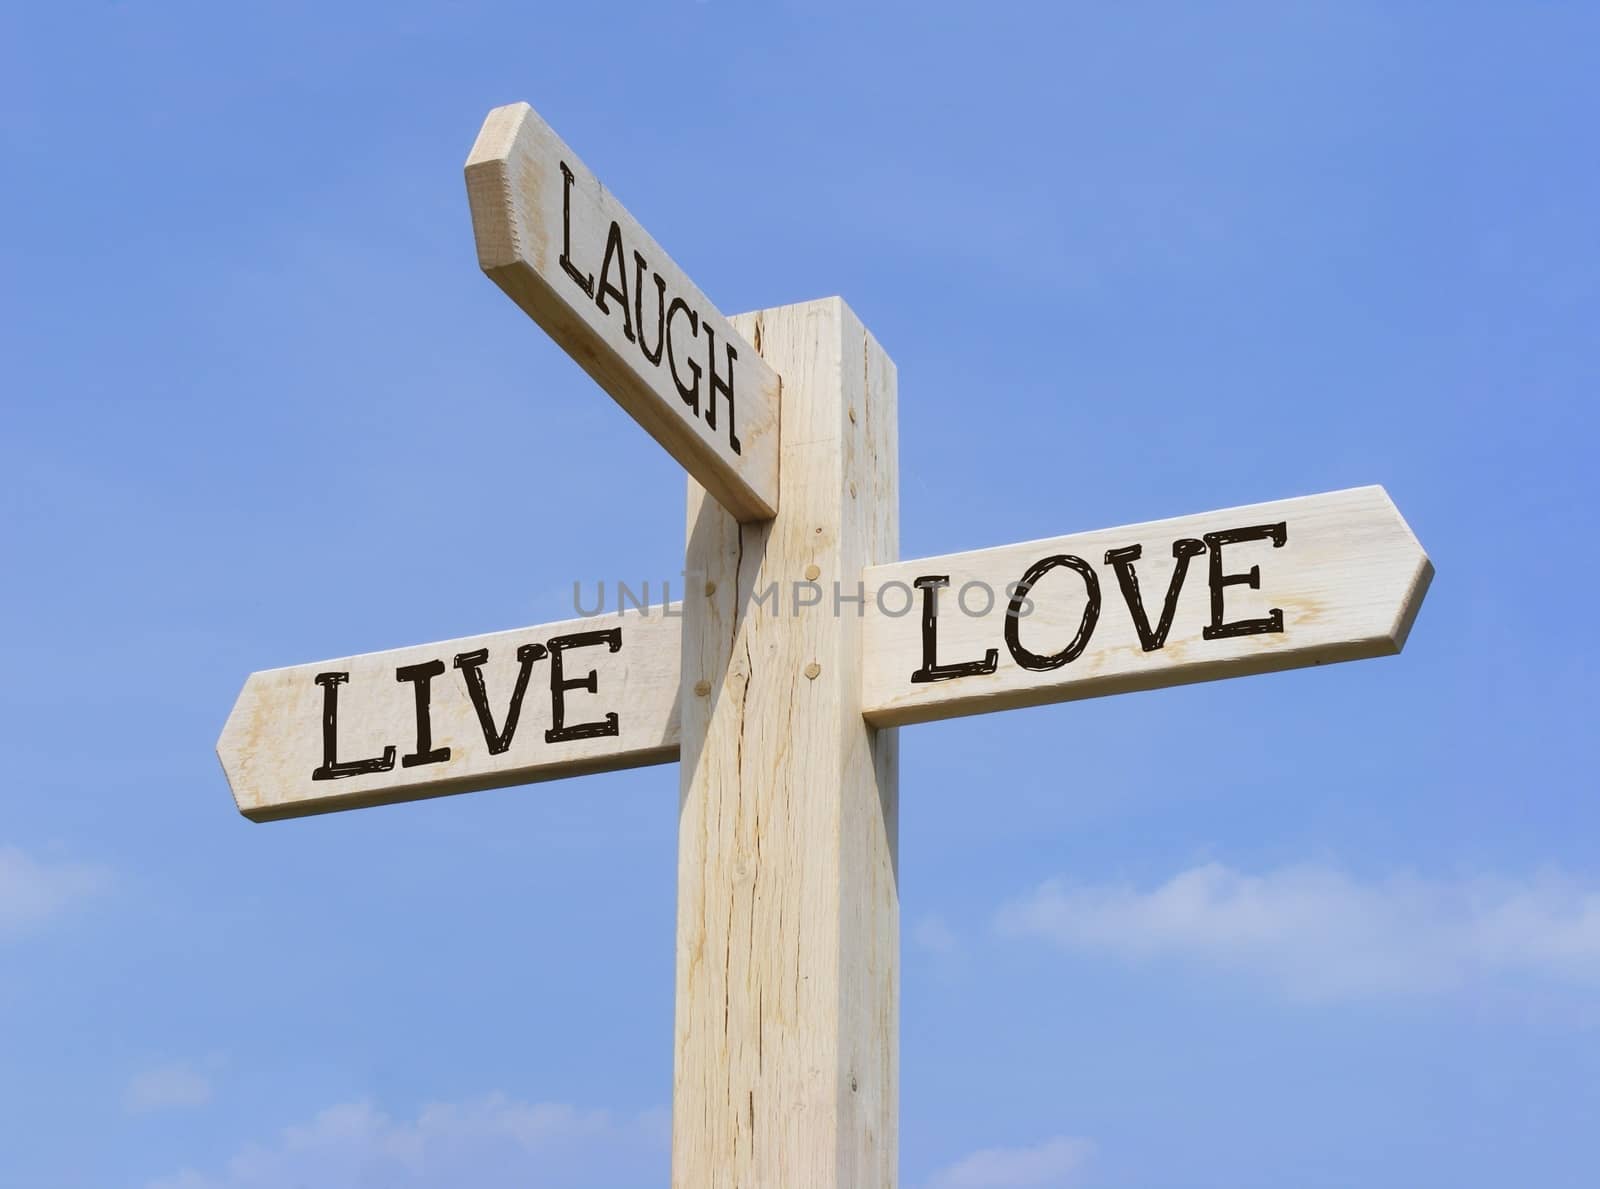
{"points": [[783, 719]]}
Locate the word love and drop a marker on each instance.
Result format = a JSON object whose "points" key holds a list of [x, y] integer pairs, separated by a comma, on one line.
{"points": [[1122, 562], [1297, 582], [567, 252]]}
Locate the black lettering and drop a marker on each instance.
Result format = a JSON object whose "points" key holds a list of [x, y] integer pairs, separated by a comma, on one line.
{"points": [[559, 732], [334, 769], [586, 283], [471, 666], [422, 677], [1273, 620], [614, 252], [718, 384], [638, 309], [1091, 613], [690, 394], [1122, 561], [931, 669]]}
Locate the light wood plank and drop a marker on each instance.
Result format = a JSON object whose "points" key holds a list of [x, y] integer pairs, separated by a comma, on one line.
{"points": [[1345, 582], [274, 747], [788, 911], [564, 249]]}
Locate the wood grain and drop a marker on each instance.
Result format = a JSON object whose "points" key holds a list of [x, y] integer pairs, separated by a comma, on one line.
{"points": [[788, 909]]}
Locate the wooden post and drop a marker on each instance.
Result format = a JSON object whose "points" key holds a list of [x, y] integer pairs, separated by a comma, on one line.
{"points": [[787, 1013]]}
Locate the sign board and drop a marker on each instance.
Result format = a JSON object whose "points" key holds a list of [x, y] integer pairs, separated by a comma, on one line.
{"points": [[564, 249], [587, 695], [786, 1020], [1298, 582]]}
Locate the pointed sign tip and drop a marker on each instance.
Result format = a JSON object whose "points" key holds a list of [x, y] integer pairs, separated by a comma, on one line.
{"points": [[1415, 581]]}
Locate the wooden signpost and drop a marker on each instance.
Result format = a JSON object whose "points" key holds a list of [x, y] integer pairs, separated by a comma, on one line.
{"points": [[779, 681]]}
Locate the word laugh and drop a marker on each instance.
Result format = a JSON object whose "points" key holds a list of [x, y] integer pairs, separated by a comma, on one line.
{"points": [[669, 314]]}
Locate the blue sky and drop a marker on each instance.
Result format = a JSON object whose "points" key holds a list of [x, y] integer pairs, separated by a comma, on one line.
{"points": [[1325, 928]]}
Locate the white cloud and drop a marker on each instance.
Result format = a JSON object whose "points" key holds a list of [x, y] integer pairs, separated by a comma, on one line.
{"points": [[493, 1142], [31, 892], [933, 935], [165, 1088], [1318, 932], [1050, 1165]]}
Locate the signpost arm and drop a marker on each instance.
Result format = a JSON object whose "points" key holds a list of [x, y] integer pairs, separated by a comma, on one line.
{"points": [[622, 309], [787, 1008], [1259, 589]]}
